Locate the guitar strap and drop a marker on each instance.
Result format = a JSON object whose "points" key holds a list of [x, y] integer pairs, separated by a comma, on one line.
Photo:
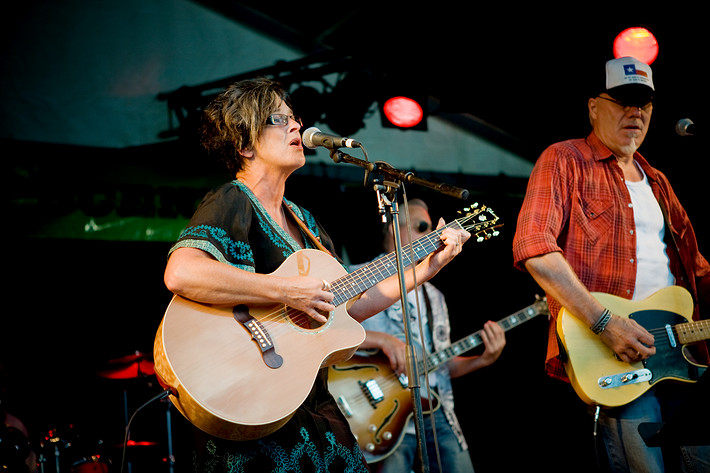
{"points": [[311, 236], [430, 324], [429, 314]]}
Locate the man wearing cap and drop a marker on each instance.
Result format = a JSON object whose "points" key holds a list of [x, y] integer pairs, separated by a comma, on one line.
{"points": [[597, 217]]}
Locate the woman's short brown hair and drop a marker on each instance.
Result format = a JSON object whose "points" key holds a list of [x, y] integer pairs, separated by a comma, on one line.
{"points": [[234, 120]]}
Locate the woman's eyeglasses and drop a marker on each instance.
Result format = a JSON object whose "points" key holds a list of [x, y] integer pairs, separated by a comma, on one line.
{"points": [[281, 119]]}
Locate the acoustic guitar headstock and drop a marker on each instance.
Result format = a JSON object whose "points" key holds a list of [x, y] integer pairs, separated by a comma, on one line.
{"points": [[480, 220]]}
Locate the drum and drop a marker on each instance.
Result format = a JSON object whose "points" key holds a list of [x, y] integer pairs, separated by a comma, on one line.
{"points": [[92, 464], [16, 453]]}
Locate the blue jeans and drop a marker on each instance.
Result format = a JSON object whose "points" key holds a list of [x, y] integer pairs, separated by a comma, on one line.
{"points": [[626, 449], [405, 458]]}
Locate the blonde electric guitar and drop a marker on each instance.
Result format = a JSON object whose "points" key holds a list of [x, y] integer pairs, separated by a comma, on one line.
{"points": [[600, 378], [378, 403], [241, 372]]}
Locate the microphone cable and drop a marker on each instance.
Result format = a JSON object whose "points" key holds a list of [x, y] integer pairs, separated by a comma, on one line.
{"points": [[157, 397]]}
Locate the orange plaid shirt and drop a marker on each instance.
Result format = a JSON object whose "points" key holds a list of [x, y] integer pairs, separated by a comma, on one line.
{"points": [[577, 203]]}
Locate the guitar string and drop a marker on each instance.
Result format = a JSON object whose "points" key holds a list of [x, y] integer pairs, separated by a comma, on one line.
{"points": [[469, 342], [341, 285], [389, 258], [661, 337], [678, 330], [360, 278], [678, 327]]}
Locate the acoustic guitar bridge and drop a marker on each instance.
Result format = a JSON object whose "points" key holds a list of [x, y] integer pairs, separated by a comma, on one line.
{"points": [[260, 336]]}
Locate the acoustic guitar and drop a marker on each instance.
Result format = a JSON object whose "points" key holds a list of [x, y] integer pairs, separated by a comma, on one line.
{"points": [[599, 377], [241, 372], [378, 403]]}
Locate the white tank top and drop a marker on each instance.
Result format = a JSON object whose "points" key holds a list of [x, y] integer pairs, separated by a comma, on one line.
{"points": [[652, 264]]}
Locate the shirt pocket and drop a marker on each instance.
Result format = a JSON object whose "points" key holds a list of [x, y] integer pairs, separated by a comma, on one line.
{"points": [[596, 217]]}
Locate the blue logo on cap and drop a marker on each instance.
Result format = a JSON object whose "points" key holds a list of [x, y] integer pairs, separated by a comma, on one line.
{"points": [[630, 70]]}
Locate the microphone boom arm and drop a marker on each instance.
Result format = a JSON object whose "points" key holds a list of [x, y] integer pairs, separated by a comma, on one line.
{"points": [[390, 172]]}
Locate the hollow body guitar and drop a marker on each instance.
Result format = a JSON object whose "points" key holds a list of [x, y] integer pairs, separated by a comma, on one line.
{"points": [[241, 372], [599, 377], [378, 403]]}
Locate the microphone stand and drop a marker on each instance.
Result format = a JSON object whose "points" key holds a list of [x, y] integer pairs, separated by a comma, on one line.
{"points": [[387, 181]]}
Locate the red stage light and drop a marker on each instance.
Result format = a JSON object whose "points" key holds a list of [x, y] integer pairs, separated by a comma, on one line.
{"points": [[636, 42], [403, 111]]}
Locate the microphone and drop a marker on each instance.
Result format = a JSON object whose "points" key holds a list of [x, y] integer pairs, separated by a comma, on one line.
{"points": [[685, 127], [313, 138]]}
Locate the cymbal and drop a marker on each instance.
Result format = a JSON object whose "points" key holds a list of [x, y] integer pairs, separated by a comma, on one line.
{"points": [[132, 358], [136, 365], [136, 370], [133, 443]]}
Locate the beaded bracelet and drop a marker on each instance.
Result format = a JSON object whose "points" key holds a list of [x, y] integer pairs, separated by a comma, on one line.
{"points": [[601, 323]]}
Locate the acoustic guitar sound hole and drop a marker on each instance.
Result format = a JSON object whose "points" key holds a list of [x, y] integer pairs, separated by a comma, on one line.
{"points": [[301, 320]]}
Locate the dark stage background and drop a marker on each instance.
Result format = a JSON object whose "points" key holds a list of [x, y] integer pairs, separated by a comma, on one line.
{"points": [[74, 302]]}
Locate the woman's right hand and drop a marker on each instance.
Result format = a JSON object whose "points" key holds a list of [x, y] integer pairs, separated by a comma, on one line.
{"points": [[309, 295]]}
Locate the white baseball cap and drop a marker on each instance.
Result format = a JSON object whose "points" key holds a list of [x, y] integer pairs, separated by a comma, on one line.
{"points": [[629, 80]]}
